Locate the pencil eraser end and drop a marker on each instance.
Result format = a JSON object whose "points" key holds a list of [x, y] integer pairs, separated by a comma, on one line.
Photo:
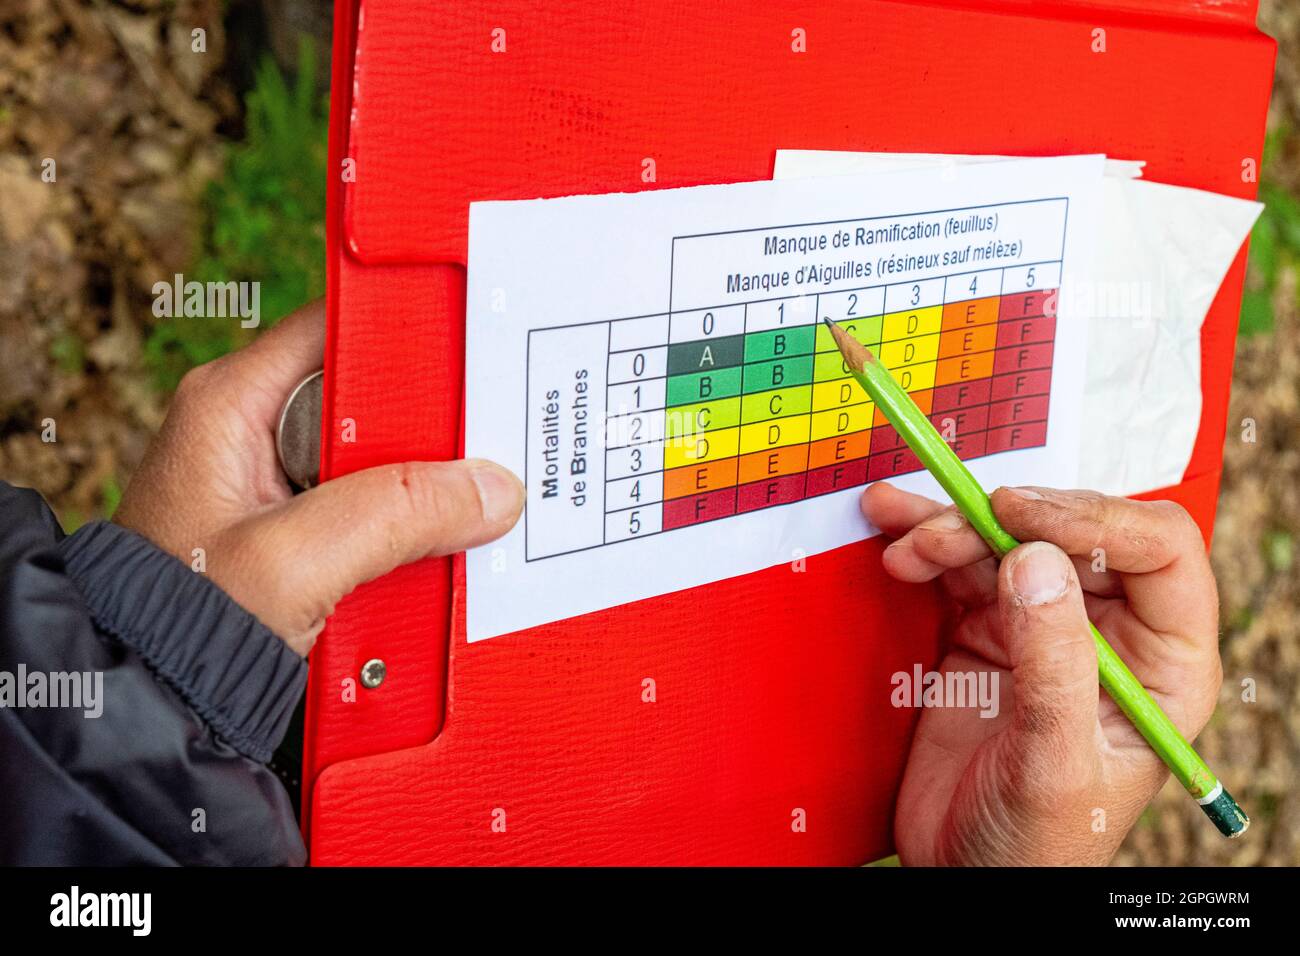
{"points": [[1226, 814]]}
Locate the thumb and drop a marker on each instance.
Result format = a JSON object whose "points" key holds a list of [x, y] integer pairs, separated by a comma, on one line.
{"points": [[297, 561], [1053, 662]]}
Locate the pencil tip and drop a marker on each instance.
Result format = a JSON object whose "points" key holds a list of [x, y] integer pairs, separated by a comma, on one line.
{"points": [[855, 354]]}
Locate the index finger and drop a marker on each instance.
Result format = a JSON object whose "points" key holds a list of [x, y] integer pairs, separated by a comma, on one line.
{"points": [[1155, 546]]}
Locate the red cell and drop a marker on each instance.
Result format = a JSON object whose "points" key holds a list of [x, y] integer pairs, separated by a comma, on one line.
{"points": [[884, 438], [964, 421], [961, 395], [715, 504], [1026, 331], [765, 494], [1032, 408], [1022, 358], [1020, 384], [834, 477], [1026, 305], [892, 463], [970, 446], [1029, 435]]}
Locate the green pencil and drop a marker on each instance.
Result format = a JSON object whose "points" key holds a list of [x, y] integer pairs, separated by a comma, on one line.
{"points": [[1125, 689]]}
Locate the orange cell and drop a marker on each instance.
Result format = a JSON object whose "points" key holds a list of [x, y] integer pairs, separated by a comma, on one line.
{"points": [[772, 464], [979, 338], [839, 449], [924, 399], [962, 315], [693, 479], [964, 368]]}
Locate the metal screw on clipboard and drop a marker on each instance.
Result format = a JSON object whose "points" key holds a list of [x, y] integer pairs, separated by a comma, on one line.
{"points": [[373, 673], [297, 443]]}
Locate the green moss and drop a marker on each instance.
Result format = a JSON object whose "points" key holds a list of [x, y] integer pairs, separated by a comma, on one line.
{"points": [[264, 220], [1279, 550], [1274, 243], [68, 352], [1263, 806], [110, 493], [71, 520]]}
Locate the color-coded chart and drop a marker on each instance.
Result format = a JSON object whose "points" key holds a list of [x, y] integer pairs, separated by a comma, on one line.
{"points": [[656, 369], [711, 413]]}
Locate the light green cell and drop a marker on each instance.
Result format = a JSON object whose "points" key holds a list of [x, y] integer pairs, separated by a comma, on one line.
{"points": [[779, 343], [775, 403], [865, 330], [702, 417], [830, 366]]}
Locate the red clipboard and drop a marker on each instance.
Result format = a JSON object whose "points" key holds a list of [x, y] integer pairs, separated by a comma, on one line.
{"points": [[537, 747]]}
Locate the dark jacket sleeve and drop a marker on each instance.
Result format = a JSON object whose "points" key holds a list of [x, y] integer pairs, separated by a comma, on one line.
{"points": [[138, 705]]}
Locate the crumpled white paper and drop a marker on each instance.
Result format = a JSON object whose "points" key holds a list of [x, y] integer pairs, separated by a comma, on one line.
{"points": [[1164, 251]]}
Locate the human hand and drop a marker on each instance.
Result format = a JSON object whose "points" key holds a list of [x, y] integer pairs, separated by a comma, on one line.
{"points": [[212, 480], [1023, 787]]}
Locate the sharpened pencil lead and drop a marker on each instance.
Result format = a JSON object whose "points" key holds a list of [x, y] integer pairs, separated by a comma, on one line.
{"points": [[856, 355]]}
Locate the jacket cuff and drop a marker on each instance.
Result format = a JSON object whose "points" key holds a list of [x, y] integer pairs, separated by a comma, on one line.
{"points": [[225, 664]]}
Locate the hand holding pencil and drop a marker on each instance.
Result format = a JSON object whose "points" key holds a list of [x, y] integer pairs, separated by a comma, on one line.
{"points": [[1037, 575], [1060, 775]]}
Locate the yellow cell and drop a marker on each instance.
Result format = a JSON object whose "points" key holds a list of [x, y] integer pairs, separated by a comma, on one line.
{"points": [[694, 449], [915, 377], [901, 325], [841, 421], [774, 434], [846, 391], [923, 348]]}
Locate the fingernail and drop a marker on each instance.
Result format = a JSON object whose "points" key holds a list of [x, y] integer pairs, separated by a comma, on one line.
{"points": [[498, 492], [1040, 574], [1026, 493], [898, 547], [945, 521]]}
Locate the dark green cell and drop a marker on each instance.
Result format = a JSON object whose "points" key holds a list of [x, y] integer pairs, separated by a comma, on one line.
{"points": [[702, 386], [780, 373], [778, 343], [724, 352]]}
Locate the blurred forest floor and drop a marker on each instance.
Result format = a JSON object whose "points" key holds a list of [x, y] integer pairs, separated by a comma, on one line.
{"points": [[176, 150], [130, 118], [211, 165], [1255, 746]]}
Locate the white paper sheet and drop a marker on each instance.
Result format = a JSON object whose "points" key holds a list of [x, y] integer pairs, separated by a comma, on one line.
{"points": [[1162, 254], [637, 306], [803, 163]]}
